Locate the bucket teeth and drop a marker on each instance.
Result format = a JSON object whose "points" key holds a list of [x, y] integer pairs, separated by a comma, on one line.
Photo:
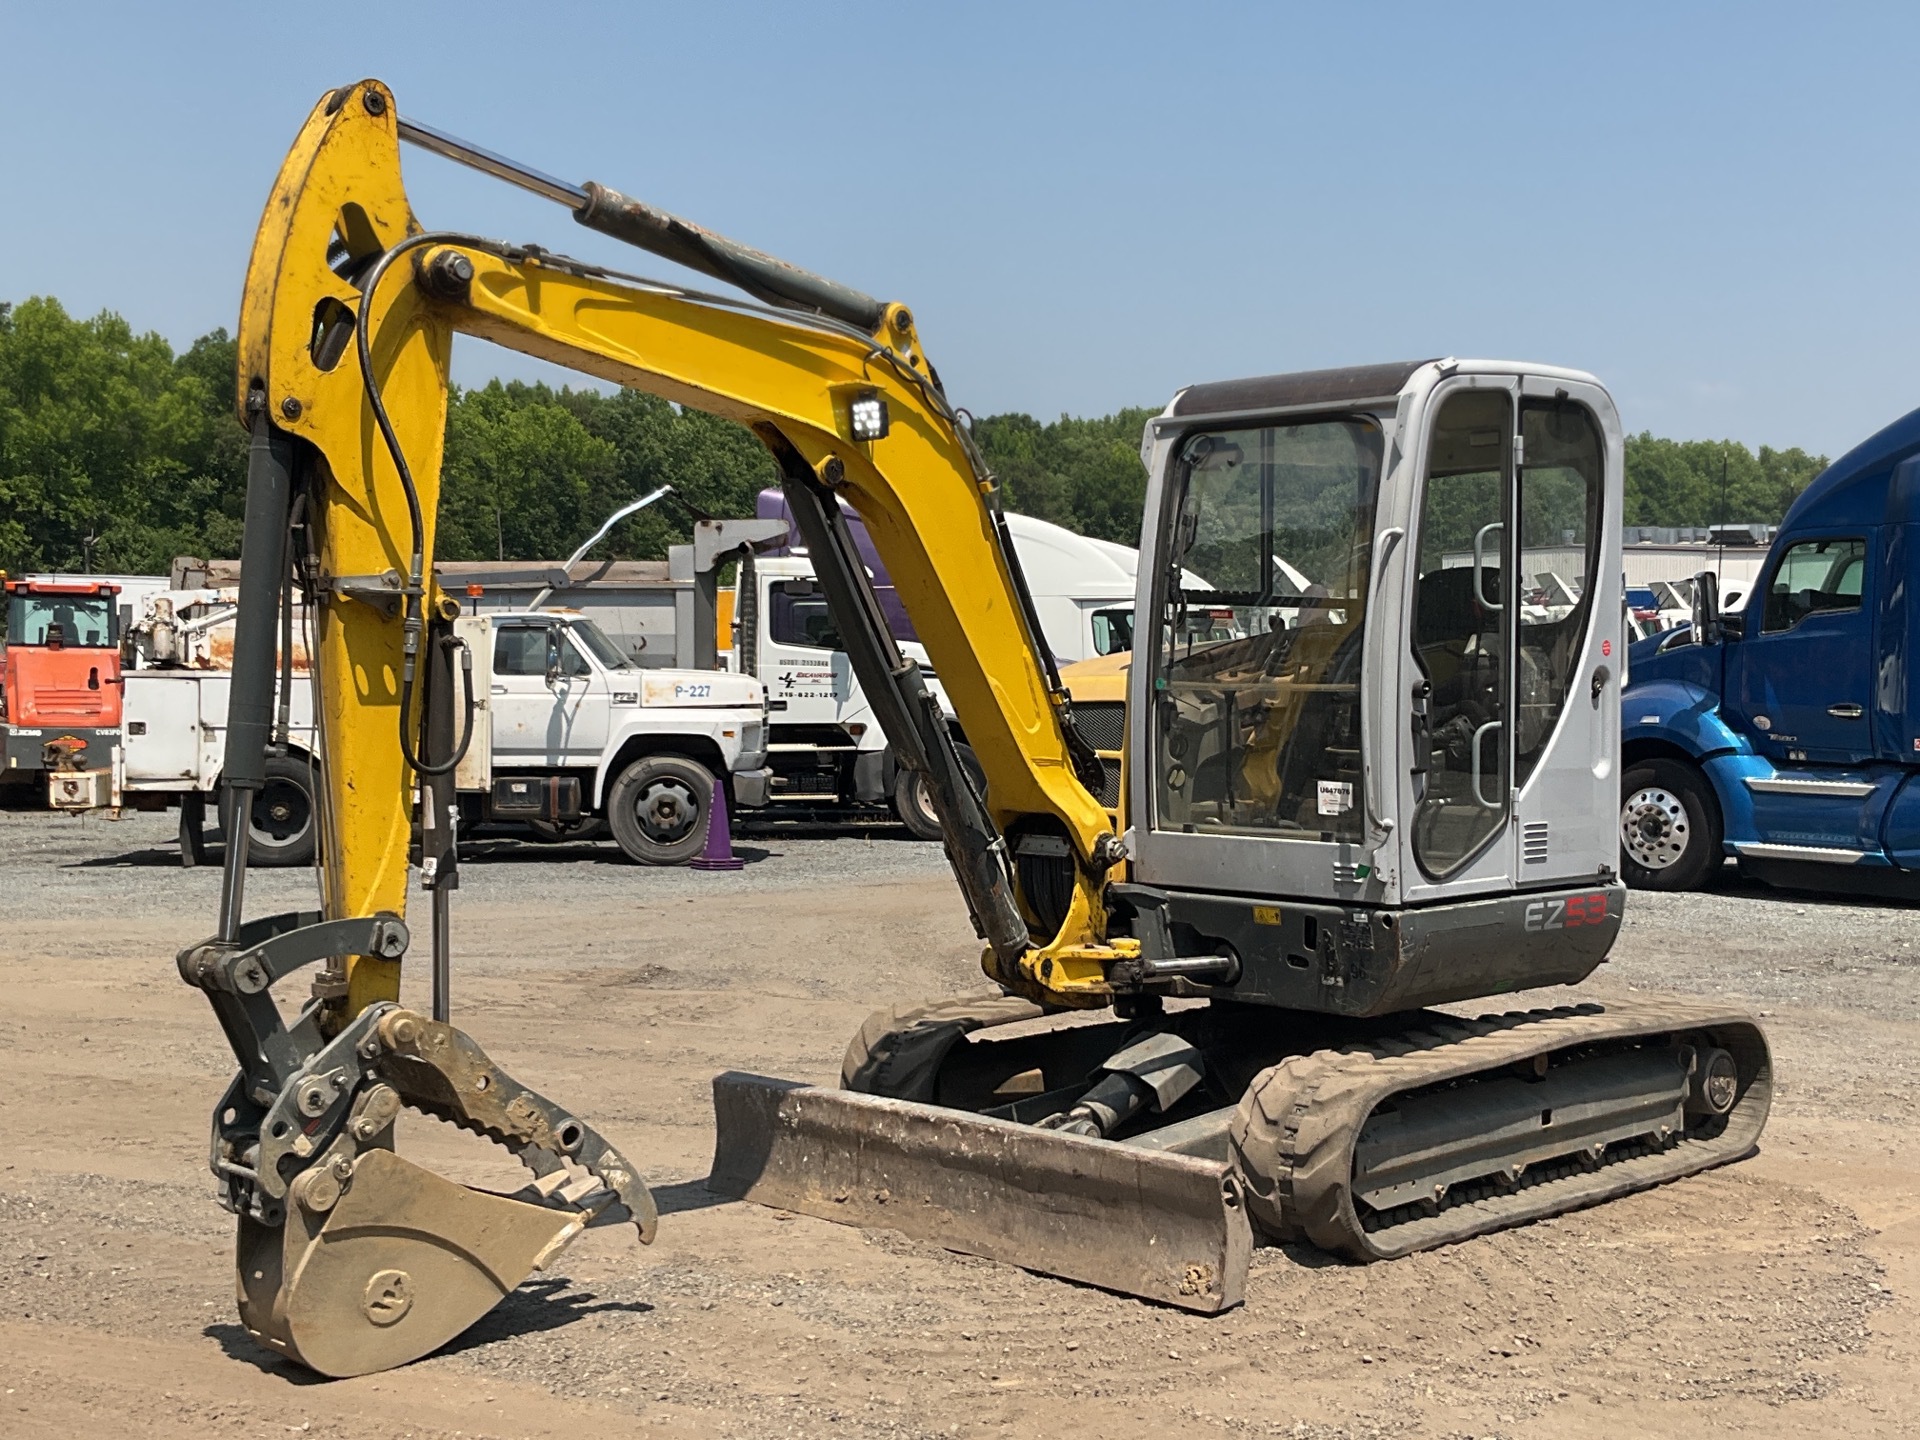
{"points": [[442, 1072]]}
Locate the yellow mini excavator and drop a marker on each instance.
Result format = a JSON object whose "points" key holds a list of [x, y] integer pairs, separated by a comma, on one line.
{"points": [[1370, 750]]}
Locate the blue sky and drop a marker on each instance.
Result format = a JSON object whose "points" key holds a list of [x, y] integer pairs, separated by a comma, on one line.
{"points": [[1711, 206]]}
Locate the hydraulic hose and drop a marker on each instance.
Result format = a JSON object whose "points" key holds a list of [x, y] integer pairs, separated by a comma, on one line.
{"points": [[414, 591]]}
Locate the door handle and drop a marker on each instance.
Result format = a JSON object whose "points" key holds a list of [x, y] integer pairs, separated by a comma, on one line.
{"points": [[1480, 564], [1848, 711], [499, 689], [1478, 795], [1378, 823]]}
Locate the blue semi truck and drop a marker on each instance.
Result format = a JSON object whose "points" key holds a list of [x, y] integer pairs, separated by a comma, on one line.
{"points": [[1787, 734]]}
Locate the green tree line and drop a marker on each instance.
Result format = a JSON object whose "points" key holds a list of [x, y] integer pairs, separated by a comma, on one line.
{"points": [[117, 454]]}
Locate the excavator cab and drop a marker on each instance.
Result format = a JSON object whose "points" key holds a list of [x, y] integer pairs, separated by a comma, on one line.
{"points": [[1397, 734], [1367, 773]]}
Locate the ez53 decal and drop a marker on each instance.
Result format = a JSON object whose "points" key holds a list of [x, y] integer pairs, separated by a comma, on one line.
{"points": [[1569, 913]]}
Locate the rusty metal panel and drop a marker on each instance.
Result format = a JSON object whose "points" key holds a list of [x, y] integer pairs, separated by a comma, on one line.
{"points": [[1169, 1228]]}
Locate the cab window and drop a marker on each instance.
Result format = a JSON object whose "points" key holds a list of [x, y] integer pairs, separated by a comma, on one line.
{"points": [[1260, 629], [572, 661], [798, 616], [595, 641], [520, 650], [1112, 631], [1815, 577], [83, 620]]}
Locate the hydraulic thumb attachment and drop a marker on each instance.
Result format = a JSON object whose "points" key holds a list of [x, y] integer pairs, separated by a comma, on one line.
{"points": [[352, 1259]]}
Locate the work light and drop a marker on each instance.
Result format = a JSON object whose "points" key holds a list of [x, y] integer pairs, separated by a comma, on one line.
{"points": [[869, 416]]}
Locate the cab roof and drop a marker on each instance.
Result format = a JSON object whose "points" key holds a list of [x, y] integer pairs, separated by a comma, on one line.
{"points": [[1345, 386], [61, 587], [1857, 490]]}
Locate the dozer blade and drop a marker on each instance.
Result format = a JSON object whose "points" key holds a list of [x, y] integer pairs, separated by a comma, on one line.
{"points": [[1165, 1227], [388, 1267]]}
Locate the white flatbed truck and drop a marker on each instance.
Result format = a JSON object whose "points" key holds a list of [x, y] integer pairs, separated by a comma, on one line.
{"points": [[571, 739]]}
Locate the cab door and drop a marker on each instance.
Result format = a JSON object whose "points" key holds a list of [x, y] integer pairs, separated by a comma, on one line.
{"points": [[540, 680], [808, 676], [1567, 629], [1457, 666], [1801, 677], [589, 701]]}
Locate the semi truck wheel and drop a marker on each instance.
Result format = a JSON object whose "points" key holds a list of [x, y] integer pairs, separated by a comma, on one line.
{"points": [[914, 805], [1669, 827], [282, 828], [658, 809]]}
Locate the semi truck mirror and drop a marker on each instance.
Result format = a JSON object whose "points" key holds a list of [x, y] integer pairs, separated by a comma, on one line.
{"points": [[1706, 608], [553, 656]]}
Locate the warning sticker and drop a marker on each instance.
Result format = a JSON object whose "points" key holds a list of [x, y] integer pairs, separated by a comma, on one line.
{"points": [[1336, 797]]}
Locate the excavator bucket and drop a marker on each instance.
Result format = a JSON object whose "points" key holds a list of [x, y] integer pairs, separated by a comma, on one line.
{"points": [[351, 1259], [387, 1266], [1162, 1226]]}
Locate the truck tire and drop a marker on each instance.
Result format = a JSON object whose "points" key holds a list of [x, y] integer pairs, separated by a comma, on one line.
{"points": [[914, 805], [658, 810], [284, 822], [1670, 828]]}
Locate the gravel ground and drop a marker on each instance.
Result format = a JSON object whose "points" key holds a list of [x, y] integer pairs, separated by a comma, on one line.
{"points": [[1772, 1297], [57, 860], [1776, 947]]}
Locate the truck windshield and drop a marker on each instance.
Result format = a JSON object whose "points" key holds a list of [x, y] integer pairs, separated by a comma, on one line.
{"points": [[82, 620], [1257, 725], [595, 642]]}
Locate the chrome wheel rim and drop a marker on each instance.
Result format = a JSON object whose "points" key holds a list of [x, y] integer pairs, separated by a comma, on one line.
{"points": [[1653, 828]]}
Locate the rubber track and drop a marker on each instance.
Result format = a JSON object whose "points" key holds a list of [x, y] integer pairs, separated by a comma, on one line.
{"points": [[1294, 1133], [898, 1051]]}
